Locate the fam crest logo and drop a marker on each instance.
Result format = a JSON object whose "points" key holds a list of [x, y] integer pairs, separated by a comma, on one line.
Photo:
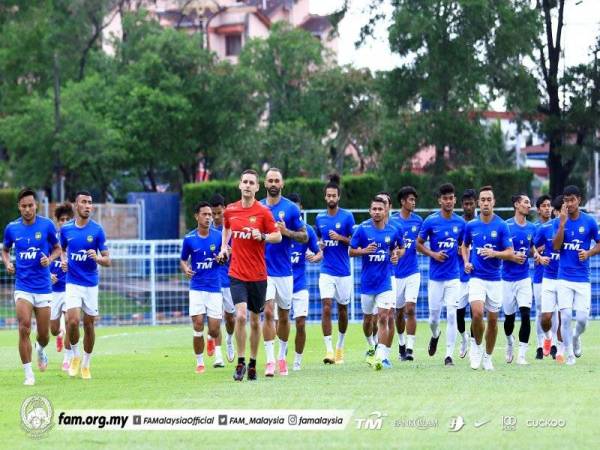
{"points": [[90, 239], [38, 235], [37, 416]]}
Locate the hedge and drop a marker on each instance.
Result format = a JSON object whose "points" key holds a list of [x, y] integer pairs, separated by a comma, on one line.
{"points": [[8, 208], [357, 190]]}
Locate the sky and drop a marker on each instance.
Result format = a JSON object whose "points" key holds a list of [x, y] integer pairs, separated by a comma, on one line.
{"points": [[582, 25]]}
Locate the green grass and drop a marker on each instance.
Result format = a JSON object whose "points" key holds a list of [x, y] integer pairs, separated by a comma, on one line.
{"points": [[145, 367]]}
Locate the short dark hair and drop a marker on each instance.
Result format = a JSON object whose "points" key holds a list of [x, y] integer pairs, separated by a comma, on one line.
{"points": [[377, 199], [64, 209], [516, 198], [485, 188], [294, 197], [250, 172], [541, 199], [405, 191], [78, 193], [445, 189], [558, 202], [26, 192], [217, 200], [334, 183], [201, 204], [274, 169], [572, 190], [468, 194]]}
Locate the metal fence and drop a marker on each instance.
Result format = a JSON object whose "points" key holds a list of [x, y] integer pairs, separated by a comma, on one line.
{"points": [[144, 287]]}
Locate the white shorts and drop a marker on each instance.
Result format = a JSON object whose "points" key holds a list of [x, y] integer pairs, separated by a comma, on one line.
{"points": [[489, 292], [515, 295], [84, 297], [300, 303], [463, 296], [58, 305], [339, 288], [227, 301], [209, 303], [371, 303], [574, 294], [537, 296], [443, 293], [37, 300], [407, 289], [280, 289], [549, 301]]}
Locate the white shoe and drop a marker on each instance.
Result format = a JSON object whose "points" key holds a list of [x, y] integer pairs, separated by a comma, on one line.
{"points": [[42, 357], [218, 362], [464, 348], [577, 346], [297, 366], [487, 363], [29, 381], [475, 356], [509, 353], [230, 352], [570, 360], [521, 361]]}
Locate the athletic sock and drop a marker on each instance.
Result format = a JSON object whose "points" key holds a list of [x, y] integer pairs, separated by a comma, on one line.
{"points": [[200, 359], [340, 342], [547, 335], [75, 350], [370, 341], [328, 344], [270, 351], [229, 338], [218, 354], [298, 358], [523, 349], [241, 360], [465, 336], [375, 339], [86, 359], [410, 341], [401, 339], [28, 370], [282, 349]]}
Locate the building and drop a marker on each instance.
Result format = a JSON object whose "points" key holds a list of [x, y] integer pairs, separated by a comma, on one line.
{"points": [[226, 25]]}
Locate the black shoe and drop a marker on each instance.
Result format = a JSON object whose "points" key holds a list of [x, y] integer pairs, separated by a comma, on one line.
{"points": [[240, 371], [553, 351], [409, 355], [539, 353], [448, 361], [402, 350], [433, 345], [251, 373]]}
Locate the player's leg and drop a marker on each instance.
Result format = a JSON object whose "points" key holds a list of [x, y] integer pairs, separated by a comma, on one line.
{"points": [[55, 316], [524, 295], [327, 292], [300, 305], [269, 327], [198, 339], [581, 305], [461, 313], [257, 291], [477, 297], [68, 353], [451, 294], [509, 305], [42, 320], [436, 295], [539, 332], [493, 304], [90, 312], [343, 288], [73, 303], [566, 297], [413, 283], [384, 303], [285, 288], [239, 295], [229, 313], [213, 306], [24, 311], [400, 320], [367, 303]]}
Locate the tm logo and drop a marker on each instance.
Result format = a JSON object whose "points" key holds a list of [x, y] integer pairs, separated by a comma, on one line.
{"points": [[574, 245], [373, 422], [330, 243], [295, 257], [31, 253], [205, 265], [377, 257], [480, 249], [447, 244], [81, 255]]}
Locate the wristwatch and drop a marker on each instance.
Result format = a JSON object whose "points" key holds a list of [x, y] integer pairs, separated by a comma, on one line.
{"points": [[263, 237]]}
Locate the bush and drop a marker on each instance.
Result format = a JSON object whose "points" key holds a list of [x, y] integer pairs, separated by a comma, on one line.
{"points": [[8, 208], [357, 190]]}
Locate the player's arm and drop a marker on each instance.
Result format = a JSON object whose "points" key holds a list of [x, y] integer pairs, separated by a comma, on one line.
{"points": [[508, 254], [102, 258], [299, 236], [45, 261], [585, 254], [270, 238], [10, 268], [559, 237], [186, 268]]}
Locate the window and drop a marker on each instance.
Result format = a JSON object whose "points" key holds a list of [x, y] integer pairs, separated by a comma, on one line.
{"points": [[233, 44]]}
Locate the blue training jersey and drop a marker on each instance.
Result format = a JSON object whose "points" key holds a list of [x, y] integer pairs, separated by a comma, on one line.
{"points": [[408, 264], [336, 261], [480, 235], [538, 269], [76, 240], [443, 235], [522, 239], [31, 243], [61, 276], [202, 250], [298, 258], [278, 255], [543, 237], [224, 268], [578, 236], [375, 275]]}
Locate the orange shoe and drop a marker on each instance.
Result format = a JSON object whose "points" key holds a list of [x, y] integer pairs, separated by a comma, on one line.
{"points": [[199, 368], [59, 342], [210, 346], [547, 346], [560, 358]]}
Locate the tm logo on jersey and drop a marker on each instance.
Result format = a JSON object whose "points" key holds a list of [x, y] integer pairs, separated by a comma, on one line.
{"points": [[480, 249], [30, 253], [330, 243], [246, 234], [447, 244], [80, 256], [408, 243], [377, 257], [295, 257], [574, 245], [205, 265]]}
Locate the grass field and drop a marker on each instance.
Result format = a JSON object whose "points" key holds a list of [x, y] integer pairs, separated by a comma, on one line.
{"points": [[145, 367]]}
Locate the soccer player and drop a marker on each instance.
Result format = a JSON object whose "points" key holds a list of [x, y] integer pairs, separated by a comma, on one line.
{"points": [[63, 213], [544, 211], [489, 239], [468, 204], [516, 284], [217, 204], [199, 263], [300, 252], [36, 247], [408, 278], [550, 319], [375, 241], [248, 225], [574, 230], [444, 230], [85, 244], [334, 230], [280, 279], [387, 201]]}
